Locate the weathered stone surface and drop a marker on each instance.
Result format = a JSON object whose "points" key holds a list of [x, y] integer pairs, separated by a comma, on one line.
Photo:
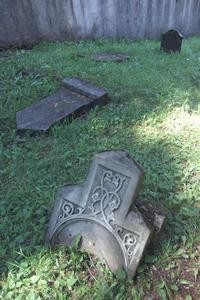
{"points": [[109, 57], [103, 213], [84, 88], [72, 99], [155, 215], [171, 41]]}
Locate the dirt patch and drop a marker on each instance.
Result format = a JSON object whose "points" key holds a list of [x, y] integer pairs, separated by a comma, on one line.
{"points": [[177, 281]]}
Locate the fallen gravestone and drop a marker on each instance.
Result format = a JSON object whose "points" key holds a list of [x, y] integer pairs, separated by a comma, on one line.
{"points": [[109, 57], [103, 213], [171, 41], [73, 98]]}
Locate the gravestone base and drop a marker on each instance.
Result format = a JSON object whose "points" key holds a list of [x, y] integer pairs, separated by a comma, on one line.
{"points": [[110, 57], [156, 216], [103, 213]]}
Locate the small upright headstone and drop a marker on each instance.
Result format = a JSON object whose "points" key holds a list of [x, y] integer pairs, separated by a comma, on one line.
{"points": [[103, 212], [171, 41]]}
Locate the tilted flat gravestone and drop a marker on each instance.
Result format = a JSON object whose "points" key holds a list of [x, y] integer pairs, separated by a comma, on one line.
{"points": [[102, 211], [73, 98], [106, 57], [171, 41]]}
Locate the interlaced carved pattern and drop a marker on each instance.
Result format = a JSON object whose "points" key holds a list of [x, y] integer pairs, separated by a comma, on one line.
{"points": [[104, 201], [68, 209]]}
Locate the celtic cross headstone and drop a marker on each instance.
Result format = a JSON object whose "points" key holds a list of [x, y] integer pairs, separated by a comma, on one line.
{"points": [[102, 211]]}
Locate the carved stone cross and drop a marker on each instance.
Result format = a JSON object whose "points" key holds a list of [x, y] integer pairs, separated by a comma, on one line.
{"points": [[102, 211]]}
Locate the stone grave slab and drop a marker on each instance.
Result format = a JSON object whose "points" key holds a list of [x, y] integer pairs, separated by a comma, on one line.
{"points": [[103, 212], [171, 41], [110, 57], [74, 97]]}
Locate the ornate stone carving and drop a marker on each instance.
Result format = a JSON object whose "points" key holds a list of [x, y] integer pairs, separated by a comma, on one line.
{"points": [[102, 211]]}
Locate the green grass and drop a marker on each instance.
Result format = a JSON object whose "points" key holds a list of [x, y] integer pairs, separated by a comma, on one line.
{"points": [[154, 114]]}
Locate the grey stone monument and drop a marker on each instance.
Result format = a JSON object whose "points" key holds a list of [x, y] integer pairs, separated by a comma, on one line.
{"points": [[74, 98], [103, 212]]}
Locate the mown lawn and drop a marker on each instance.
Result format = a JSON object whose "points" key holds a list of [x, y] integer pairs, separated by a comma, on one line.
{"points": [[154, 114]]}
